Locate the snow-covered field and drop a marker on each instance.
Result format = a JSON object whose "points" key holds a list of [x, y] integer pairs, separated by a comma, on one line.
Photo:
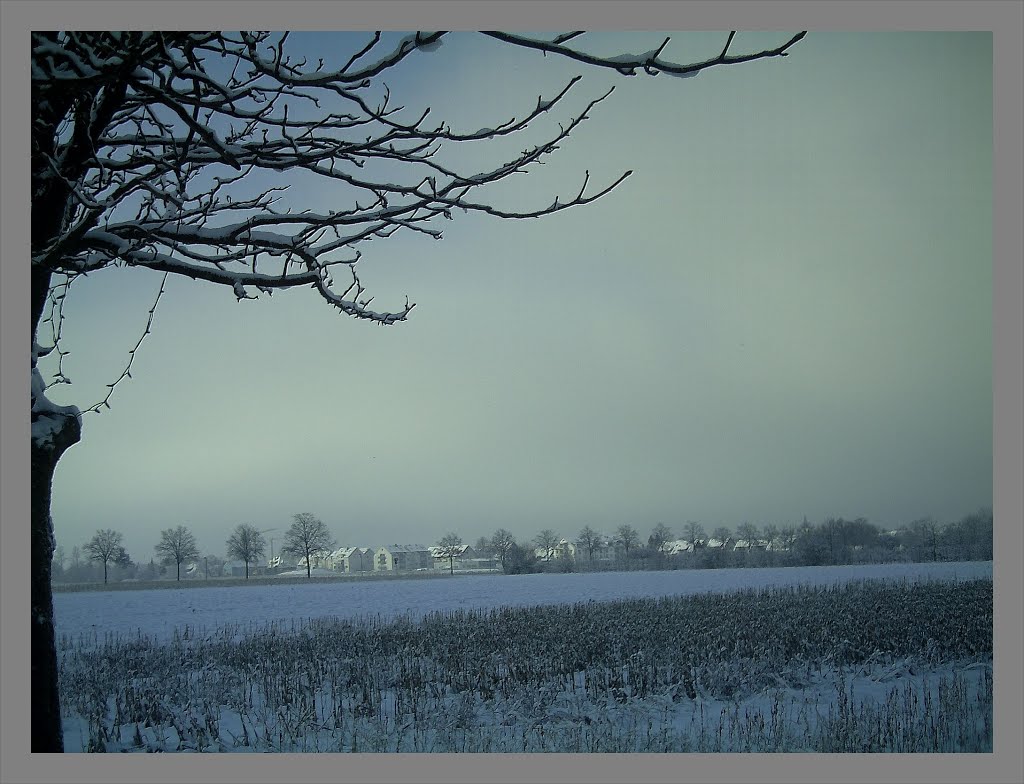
{"points": [[603, 662], [158, 612]]}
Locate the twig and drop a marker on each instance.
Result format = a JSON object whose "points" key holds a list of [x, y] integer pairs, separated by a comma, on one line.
{"points": [[126, 373]]}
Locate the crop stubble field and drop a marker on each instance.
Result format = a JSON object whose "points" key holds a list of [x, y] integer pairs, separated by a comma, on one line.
{"points": [[814, 660]]}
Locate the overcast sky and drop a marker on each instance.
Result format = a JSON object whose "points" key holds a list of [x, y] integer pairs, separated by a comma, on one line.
{"points": [[784, 312]]}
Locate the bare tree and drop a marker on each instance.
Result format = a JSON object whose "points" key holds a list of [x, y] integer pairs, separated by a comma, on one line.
{"points": [[547, 540], [693, 532], [925, 532], [176, 546], [483, 546], [307, 537], [449, 547], [659, 537], [722, 534], [973, 534], [831, 530], [590, 540], [748, 532], [105, 547], [502, 543], [152, 149], [246, 543], [520, 559], [627, 538], [788, 535]]}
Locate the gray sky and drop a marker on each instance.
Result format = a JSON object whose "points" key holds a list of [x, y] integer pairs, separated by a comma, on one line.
{"points": [[785, 311]]}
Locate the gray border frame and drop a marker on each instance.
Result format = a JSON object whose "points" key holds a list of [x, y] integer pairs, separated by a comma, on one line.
{"points": [[1005, 18]]}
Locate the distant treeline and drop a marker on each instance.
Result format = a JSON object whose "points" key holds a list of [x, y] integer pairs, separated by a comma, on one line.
{"points": [[833, 541]]}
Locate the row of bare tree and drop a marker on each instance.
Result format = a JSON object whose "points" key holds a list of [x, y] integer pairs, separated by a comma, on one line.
{"points": [[833, 541], [306, 537]]}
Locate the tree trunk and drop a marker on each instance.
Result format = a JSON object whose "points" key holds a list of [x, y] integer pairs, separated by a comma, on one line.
{"points": [[47, 733]]}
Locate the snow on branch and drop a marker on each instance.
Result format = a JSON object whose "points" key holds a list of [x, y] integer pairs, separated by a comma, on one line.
{"points": [[179, 152], [649, 62]]}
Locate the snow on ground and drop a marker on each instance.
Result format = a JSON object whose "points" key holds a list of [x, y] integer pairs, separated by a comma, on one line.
{"points": [[158, 612], [912, 704], [785, 719], [316, 572]]}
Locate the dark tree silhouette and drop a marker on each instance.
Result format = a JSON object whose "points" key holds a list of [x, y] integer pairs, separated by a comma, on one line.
{"points": [[748, 532], [502, 543], [449, 547], [722, 534], [307, 537], [693, 533], [105, 547], [589, 540], [153, 149], [176, 546], [520, 559], [627, 538], [246, 543], [547, 540], [926, 532], [661, 535]]}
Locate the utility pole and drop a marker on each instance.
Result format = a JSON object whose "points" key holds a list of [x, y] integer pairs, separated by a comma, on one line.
{"points": [[266, 531], [206, 565]]}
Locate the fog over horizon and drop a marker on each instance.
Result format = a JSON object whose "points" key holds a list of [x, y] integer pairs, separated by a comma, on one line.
{"points": [[785, 312]]}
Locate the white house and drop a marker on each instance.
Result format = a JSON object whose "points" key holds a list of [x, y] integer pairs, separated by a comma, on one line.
{"points": [[564, 549], [281, 562], [402, 558], [606, 550], [677, 546], [750, 544], [463, 555], [351, 559], [316, 561]]}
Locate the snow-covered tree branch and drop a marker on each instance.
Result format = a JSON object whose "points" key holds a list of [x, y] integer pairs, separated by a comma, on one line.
{"points": [[193, 154], [152, 149]]}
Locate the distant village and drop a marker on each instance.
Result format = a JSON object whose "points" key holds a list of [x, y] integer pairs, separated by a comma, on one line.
{"points": [[833, 541], [465, 558], [390, 558]]}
